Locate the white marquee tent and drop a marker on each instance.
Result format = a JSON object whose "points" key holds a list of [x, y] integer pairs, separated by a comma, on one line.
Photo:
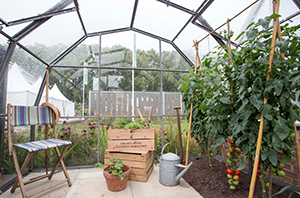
{"points": [[21, 92]]}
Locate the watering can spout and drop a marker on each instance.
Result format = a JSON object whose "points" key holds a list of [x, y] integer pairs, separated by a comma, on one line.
{"points": [[183, 171]]}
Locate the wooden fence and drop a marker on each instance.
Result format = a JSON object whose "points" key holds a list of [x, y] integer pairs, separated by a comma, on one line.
{"points": [[119, 103]]}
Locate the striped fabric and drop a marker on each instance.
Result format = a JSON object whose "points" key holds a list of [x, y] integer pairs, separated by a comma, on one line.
{"points": [[42, 144], [31, 115]]}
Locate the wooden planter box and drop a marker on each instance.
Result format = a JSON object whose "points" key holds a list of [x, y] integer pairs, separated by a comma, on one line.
{"points": [[141, 163], [127, 140]]}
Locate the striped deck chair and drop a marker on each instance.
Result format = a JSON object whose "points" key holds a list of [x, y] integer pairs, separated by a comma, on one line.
{"points": [[45, 114]]}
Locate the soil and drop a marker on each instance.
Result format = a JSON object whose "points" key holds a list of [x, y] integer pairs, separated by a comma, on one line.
{"points": [[213, 183]]}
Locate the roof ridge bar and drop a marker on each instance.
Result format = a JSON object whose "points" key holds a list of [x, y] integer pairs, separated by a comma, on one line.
{"points": [[189, 20], [109, 31], [35, 24], [38, 17], [202, 10], [151, 35], [79, 16], [67, 51], [174, 5], [134, 13]]}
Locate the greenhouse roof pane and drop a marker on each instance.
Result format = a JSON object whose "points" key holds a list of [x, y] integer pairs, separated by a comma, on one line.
{"points": [[191, 33], [159, 19], [190, 4], [105, 15], [14, 10], [56, 31]]}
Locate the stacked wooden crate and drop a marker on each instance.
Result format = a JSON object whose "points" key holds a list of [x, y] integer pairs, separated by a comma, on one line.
{"points": [[135, 148]]}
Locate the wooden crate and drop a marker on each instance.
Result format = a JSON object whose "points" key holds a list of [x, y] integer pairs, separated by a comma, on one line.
{"points": [[141, 163], [127, 140]]}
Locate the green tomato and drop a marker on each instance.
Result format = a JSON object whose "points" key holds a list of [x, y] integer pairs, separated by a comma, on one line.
{"points": [[229, 154], [232, 187], [230, 181], [274, 169], [236, 183], [267, 184], [281, 173], [292, 135], [236, 159], [229, 161], [229, 176]]}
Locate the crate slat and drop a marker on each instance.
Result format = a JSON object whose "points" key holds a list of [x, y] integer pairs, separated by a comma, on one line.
{"points": [[126, 134]]}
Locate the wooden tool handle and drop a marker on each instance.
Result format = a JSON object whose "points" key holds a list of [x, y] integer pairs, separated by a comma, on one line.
{"points": [[140, 114], [150, 114]]}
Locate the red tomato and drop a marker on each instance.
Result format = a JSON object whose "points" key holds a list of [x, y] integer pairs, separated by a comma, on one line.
{"points": [[229, 171], [282, 166], [230, 142], [237, 172], [258, 172]]}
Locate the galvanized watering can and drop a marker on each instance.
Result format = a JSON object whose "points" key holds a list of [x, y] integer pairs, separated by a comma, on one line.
{"points": [[169, 168]]}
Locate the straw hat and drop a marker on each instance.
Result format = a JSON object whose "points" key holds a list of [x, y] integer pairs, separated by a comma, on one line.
{"points": [[55, 111]]}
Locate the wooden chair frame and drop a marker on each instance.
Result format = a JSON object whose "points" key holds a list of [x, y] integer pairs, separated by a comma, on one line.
{"points": [[11, 148]]}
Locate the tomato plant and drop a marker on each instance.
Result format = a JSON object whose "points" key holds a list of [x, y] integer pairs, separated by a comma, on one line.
{"points": [[218, 114], [248, 77]]}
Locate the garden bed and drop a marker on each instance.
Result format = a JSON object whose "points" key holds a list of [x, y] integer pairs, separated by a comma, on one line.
{"points": [[213, 183]]}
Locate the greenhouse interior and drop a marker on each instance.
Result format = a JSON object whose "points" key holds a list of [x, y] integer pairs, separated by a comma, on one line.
{"points": [[200, 96]]}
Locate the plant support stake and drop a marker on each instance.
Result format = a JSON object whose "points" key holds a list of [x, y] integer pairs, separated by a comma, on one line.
{"points": [[191, 109], [260, 133]]}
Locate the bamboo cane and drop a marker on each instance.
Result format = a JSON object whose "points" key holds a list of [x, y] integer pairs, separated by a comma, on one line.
{"points": [[296, 138], [259, 139], [226, 21], [191, 112]]}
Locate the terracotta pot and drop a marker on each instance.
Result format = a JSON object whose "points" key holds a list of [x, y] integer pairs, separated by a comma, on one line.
{"points": [[113, 181]]}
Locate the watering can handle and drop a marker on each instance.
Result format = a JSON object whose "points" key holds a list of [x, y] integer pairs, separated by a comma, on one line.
{"points": [[162, 151]]}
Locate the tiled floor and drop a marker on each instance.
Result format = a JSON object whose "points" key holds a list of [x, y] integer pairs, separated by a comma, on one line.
{"points": [[90, 183]]}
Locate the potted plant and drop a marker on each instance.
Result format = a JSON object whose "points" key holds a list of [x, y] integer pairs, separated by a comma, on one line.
{"points": [[116, 174]]}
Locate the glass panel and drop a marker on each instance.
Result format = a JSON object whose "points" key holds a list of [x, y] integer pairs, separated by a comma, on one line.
{"points": [[171, 59], [115, 94], [11, 31], [147, 53], [65, 92], [87, 51], [172, 96], [54, 36], [165, 22], [117, 49], [106, 15], [190, 4], [14, 10], [23, 78], [191, 33]]}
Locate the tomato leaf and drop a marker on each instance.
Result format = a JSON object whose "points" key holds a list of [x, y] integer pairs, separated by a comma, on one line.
{"points": [[225, 100], [281, 127], [285, 188], [256, 100], [267, 111], [273, 157], [265, 22], [251, 34], [220, 140], [293, 115], [264, 155], [286, 159], [202, 107], [274, 16], [243, 163]]}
